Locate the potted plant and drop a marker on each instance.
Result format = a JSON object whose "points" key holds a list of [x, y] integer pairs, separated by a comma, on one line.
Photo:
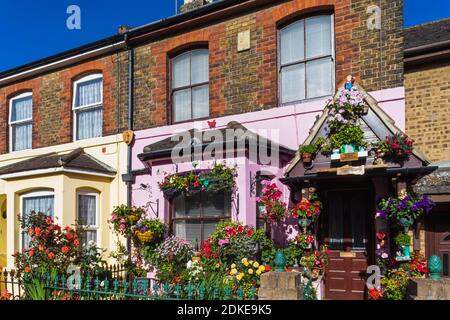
{"points": [[149, 230], [305, 240], [307, 152], [307, 210], [124, 217], [397, 147], [273, 209], [403, 240], [405, 209]]}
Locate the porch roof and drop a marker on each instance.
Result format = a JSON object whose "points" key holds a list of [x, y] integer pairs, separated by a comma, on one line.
{"points": [[75, 161], [437, 182], [378, 124], [164, 148]]}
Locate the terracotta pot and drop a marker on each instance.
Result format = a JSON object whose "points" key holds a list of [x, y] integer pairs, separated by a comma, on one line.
{"points": [[307, 157]]}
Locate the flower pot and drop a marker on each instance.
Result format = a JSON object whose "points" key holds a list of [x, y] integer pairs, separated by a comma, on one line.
{"points": [[307, 158], [304, 222], [405, 251], [405, 222], [133, 217], [145, 237], [171, 193]]}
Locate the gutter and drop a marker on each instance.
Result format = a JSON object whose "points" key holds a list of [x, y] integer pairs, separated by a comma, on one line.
{"points": [[290, 181]]}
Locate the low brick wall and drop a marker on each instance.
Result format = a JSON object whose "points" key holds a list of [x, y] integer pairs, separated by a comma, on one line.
{"points": [[427, 289], [281, 286]]}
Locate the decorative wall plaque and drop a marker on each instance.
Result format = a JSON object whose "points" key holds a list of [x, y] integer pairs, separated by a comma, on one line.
{"points": [[243, 40]]}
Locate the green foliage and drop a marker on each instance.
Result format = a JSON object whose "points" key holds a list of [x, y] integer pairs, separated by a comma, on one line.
{"points": [[403, 239], [348, 134], [35, 289], [395, 285], [308, 148], [292, 253]]}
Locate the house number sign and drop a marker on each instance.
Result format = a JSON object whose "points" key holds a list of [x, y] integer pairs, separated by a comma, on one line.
{"points": [[351, 156]]}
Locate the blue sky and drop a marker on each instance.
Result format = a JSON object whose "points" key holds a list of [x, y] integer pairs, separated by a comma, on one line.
{"points": [[35, 29]]}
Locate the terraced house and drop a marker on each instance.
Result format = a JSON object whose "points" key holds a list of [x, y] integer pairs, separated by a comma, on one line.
{"points": [[264, 67]]}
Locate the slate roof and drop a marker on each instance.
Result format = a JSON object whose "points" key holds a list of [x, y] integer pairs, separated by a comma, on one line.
{"points": [[437, 182], [428, 33], [164, 147], [76, 160]]}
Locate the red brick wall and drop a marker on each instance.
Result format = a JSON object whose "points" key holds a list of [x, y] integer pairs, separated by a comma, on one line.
{"points": [[248, 81], [52, 101]]}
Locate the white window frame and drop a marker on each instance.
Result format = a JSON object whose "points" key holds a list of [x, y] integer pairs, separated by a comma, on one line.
{"points": [[305, 60], [18, 122], [97, 214], [76, 109], [32, 194]]}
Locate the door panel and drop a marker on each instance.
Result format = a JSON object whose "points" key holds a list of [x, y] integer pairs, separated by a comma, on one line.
{"points": [[346, 230], [438, 237]]}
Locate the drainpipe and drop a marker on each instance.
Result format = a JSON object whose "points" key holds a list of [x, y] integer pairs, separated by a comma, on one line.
{"points": [[128, 178]]}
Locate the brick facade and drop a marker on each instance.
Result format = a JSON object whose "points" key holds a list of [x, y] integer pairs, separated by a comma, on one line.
{"points": [[428, 109], [52, 101], [238, 81], [248, 80]]}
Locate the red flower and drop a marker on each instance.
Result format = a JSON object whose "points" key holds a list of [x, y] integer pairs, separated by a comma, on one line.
{"points": [[240, 229], [65, 249], [69, 236], [51, 255], [196, 184], [31, 253], [27, 269], [76, 242], [37, 230], [48, 220], [41, 247], [267, 268], [249, 232], [30, 232]]}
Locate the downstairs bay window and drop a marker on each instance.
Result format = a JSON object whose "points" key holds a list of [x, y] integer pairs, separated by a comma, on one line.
{"points": [[194, 217]]}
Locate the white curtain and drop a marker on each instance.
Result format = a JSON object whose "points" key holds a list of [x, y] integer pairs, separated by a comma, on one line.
{"points": [[293, 42], [319, 80], [293, 83], [190, 69], [44, 204], [89, 92], [22, 136], [89, 123], [87, 210], [318, 36]]}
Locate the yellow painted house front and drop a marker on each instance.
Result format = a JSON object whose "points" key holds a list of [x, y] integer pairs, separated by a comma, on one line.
{"points": [[79, 182]]}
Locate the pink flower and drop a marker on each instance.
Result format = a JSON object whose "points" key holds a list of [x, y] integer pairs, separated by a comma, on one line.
{"points": [[223, 242], [122, 227], [258, 199]]}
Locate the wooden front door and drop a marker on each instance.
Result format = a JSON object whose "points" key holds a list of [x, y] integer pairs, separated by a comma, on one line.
{"points": [[438, 237], [347, 226]]}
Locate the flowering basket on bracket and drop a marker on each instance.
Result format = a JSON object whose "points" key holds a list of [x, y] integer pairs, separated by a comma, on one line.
{"points": [[123, 218], [397, 147], [406, 209], [149, 230], [307, 209], [271, 206]]}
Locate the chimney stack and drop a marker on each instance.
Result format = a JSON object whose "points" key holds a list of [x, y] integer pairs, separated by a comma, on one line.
{"points": [[193, 4]]}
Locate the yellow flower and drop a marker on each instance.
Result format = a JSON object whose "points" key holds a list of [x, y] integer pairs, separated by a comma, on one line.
{"points": [[233, 271], [244, 260], [240, 276], [233, 266], [250, 271], [261, 268], [251, 262], [217, 265], [258, 272], [256, 264]]}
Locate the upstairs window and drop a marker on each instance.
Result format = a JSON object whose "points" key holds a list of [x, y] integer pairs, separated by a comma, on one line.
{"points": [[87, 107], [190, 85], [306, 59], [21, 122]]}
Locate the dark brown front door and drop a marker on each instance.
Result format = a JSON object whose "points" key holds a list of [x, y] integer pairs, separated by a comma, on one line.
{"points": [[346, 225], [438, 236]]}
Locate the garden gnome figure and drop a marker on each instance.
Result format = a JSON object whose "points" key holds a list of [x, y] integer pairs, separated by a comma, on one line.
{"points": [[349, 82]]}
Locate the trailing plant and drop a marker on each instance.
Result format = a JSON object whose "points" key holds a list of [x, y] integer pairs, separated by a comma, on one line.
{"points": [[308, 148], [218, 179], [123, 218], [275, 210], [408, 206]]}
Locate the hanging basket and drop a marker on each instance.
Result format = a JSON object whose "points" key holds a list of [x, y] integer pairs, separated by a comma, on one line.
{"points": [[133, 218], [304, 222], [145, 237], [405, 222], [171, 193]]}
